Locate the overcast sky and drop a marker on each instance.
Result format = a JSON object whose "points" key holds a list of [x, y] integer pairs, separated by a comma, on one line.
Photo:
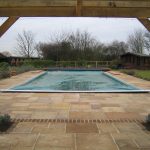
{"points": [[103, 29]]}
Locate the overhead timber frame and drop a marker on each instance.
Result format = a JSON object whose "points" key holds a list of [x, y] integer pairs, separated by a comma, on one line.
{"points": [[13, 9]]}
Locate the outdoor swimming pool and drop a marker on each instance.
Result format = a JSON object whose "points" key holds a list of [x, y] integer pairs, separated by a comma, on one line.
{"points": [[75, 81]]}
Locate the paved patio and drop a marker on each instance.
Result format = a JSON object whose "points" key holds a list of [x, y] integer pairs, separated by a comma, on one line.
{"points": [[82, 106]]}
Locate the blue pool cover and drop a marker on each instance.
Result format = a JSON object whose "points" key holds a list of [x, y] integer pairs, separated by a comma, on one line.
{"points": [[75, 81]]}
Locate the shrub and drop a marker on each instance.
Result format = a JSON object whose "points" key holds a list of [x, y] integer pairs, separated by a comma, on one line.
{"points": [[82, 63], [4, 74], [5, 122], [39, 63], [23, 68], [148, 118], [4, 119], [4, 65], [67, 64], [4, 70], [114, 64], [146, 124]]}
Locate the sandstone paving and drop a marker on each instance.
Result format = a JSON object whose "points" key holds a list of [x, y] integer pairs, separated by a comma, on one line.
{"points": [[52, 128], [130, 140], [124, 115], [95, 142], [74, 136], [107, 128], [55, 140], [62, 114], [127, 127], [21, 148], [86, 115], [81, 128], [17, 140], [113, 109], [126, 144], [143, 142], [84, 106], [44, 115]]}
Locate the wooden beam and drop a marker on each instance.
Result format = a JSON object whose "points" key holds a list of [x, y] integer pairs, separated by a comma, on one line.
{"points": [[79, 8], [145, 22], [73, 8], [37, 3], [71, 12], [117, 3], [61, 3], [7, 24]]}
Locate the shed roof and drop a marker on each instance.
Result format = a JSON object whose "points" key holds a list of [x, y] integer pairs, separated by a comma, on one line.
{"points": [[2, 55], [136, 54]]}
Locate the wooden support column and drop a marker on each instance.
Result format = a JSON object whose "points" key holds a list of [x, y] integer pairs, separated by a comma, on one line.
{"points": [[7, 24], [79, 8], [145, 22]]}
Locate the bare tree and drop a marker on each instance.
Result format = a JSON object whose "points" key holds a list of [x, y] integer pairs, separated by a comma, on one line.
{"points": [[81, 40], [116, 48], [25, 44], [136, 42], [147, 41], [79, 46], [38, 48]]}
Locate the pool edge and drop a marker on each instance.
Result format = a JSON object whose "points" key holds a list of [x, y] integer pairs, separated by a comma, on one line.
{"points": [[50, 91]]}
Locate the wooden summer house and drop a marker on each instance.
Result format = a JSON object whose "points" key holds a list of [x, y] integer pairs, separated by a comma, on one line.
{"points": [[134, 60]]}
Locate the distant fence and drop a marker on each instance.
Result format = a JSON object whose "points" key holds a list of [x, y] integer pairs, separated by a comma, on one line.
{"points": [[87, 64], [74, 64]]}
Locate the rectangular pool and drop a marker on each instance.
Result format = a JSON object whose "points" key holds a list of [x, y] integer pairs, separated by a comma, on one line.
{"points": [[75, 81]]}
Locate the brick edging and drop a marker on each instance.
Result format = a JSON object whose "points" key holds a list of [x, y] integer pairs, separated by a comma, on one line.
{"points": [[79, 120]]}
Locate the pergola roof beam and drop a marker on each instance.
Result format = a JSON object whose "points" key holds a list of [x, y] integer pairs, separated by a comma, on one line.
{"points": [[73, 8], [145, 22], [7, 24]]}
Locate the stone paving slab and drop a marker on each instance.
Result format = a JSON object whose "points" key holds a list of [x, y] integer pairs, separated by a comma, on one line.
{"points": [[123, 115], [126, 144], [139, 138], [95, 142], [87, 115], [17, 140], [52, 128], [143, 142], [55, 141], [81, 128], [107, 128], [127, 127]]}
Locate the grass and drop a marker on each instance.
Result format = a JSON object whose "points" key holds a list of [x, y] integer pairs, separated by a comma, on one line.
{"points": [[143, 74]]}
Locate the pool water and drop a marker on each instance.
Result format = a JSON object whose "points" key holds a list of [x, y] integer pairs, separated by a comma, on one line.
{"points": [[75, 81]]}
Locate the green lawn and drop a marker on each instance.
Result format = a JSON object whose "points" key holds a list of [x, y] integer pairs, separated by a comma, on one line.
{"points": [[143, 74]]}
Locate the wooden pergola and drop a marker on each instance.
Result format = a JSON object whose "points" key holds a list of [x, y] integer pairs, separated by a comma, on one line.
{"points": [[13, 9]]}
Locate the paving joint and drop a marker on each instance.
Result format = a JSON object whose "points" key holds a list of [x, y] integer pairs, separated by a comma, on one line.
{"points": [[36, 141], [114, 141]]}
